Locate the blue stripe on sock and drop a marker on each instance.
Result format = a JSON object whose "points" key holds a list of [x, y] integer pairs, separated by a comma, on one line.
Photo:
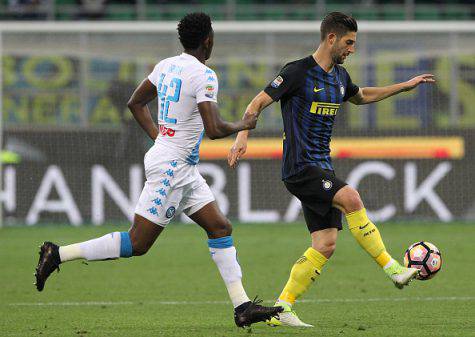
{"points": [[125, 245], [224, 242]]}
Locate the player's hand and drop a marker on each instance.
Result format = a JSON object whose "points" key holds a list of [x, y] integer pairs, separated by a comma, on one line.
{"points": [[250, 121], [414, 82], [237, 150]]}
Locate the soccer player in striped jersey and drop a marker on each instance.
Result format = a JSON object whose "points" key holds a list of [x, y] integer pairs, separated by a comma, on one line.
{"points": [[187, 108], [311, 91]]}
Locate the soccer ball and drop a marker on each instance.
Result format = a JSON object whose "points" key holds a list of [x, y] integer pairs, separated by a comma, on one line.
{"points": [[424, 256]]}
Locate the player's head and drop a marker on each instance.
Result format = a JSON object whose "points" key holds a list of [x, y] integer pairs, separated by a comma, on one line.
{"points": [[195, 32], [338, 32]]}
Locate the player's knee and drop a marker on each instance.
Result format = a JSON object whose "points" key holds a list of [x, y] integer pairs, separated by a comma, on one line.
{"points": [[221, 228], [352, 201]]}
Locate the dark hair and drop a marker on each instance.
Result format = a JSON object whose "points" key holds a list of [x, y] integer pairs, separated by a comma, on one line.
{"points": [[338, 23], [193, 29]]}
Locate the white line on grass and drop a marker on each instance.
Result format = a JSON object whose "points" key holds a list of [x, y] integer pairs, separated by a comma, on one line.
{"points": [[322, 300]]}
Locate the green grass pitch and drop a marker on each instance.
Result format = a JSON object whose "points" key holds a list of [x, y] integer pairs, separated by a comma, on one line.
{"points": [[175, 290]]}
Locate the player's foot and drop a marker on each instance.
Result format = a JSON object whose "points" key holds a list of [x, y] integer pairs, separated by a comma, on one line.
{"points": [[49, 261], [401, 276], [251, 312], [288, 317]]}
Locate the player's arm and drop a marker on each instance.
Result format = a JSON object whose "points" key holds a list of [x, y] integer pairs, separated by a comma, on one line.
{"points": [[375, 94], [286, 82], [216, 127], [259, 103], [206, 87], [137, 104]]}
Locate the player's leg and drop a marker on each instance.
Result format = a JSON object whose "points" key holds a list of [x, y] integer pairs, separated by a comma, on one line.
{"points": [[223, 253], [315, 188], [309, 266], [222, 249], [149, 211], [201, 207], [324, 241], [307, 269], [136, 241], [367, 234]]}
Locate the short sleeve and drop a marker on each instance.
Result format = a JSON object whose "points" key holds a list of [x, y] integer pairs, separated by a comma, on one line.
{"points": [[351, 88], [153, 76], [206, 86], [285, 82]]}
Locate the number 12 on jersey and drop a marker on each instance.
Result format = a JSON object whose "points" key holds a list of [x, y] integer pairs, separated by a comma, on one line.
{"points": [[165, 99]]}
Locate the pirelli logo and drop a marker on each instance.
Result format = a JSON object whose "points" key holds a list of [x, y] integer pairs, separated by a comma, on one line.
{"points": [[324, 108]]}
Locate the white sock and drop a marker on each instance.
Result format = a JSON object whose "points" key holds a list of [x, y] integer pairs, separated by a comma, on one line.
{"points": [[109, 246], [237, 294], [229, 268]]}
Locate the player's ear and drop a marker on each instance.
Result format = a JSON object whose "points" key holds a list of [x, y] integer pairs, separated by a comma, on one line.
{"points": [[331, 38], [207, 44]]}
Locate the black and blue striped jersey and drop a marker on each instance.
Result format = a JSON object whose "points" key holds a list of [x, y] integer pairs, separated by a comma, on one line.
{"points": [[310, 99]]}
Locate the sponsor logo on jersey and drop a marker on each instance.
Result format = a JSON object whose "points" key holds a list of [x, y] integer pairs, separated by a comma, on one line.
{"points": [[327, 184], [208, 71], [170, 212], [164, 131], [324, 108], [317, 90], [211, 79], [277, 82]]}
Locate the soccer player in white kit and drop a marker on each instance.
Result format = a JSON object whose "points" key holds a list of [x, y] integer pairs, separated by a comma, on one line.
{"points": [[187, 108]]}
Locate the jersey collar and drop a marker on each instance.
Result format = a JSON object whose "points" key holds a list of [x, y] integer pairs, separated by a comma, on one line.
{"points": [[329, 73], [189, 57]]}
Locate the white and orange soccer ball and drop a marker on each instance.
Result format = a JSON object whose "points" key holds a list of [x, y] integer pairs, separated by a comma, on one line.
{"points": [[424, 256]]}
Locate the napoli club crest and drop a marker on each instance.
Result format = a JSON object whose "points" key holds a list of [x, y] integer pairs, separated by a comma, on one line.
{"points": [[170, 212]]}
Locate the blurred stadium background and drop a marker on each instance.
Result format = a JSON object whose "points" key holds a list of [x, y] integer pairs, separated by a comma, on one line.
{"points": [[73, 154]]}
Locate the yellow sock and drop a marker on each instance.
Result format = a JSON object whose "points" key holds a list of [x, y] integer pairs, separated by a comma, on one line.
{"points": [[367, 235], [303, 273]]}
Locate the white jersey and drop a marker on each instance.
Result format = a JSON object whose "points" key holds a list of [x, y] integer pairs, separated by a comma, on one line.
{"points": [[182, 82]]}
